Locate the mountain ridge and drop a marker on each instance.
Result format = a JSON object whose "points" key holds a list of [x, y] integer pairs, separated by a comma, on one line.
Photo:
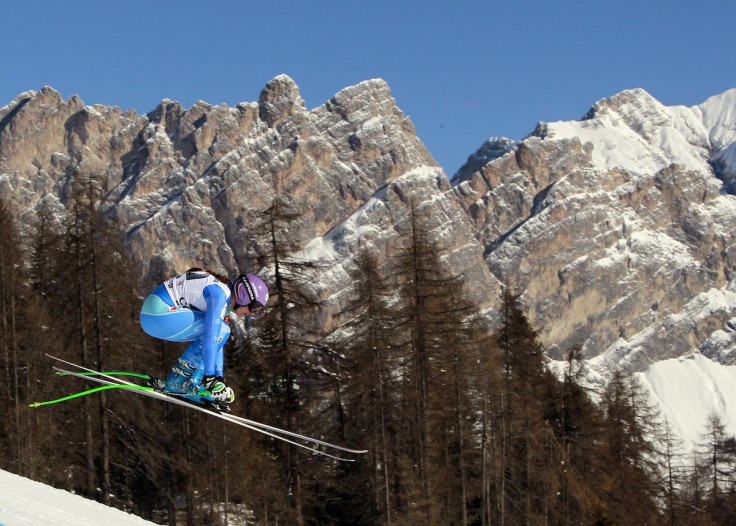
{"points": [[616, 231]]}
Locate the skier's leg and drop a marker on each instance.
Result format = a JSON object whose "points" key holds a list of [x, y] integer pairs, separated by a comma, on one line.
{"points": [[161, 319], [220, 356], [186, 373], [194, 361], [189, 370]]}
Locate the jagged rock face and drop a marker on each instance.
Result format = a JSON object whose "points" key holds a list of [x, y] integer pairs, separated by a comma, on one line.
{"points": [[187, 185], [43, 138], [186, 182], [616, 230]]}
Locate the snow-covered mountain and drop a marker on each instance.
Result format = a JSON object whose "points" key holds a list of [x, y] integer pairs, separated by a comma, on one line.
{"points": [[634, 132], [28, 503], [618, 230]]}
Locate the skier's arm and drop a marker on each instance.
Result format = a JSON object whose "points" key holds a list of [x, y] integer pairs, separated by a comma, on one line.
{"points": [[216, 299]]}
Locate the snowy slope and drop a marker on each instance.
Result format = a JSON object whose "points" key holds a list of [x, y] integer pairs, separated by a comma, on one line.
{"points": [[688, 390], [26, 502]]}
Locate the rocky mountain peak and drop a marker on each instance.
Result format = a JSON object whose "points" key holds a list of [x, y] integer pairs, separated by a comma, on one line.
{"points": [[490, 150], [280, 99], [632, 101]]}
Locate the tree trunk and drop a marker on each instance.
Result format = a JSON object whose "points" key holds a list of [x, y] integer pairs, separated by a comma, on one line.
{"points": [[460, 446], [384, 441], [89, 436], [104, 424], [16, 382]]}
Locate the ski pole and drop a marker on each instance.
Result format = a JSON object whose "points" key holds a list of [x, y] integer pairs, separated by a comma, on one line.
{"points": [[89, 391]]}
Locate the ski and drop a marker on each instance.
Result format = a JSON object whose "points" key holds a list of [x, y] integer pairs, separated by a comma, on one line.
{"points": [[115, 373], [281, 434], [151, 392]]}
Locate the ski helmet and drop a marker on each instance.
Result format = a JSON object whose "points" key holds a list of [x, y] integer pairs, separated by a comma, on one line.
{"points": [[251, 291]]}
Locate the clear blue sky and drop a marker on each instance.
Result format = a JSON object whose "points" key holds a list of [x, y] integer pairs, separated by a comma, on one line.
{"points": [[462, 71]]}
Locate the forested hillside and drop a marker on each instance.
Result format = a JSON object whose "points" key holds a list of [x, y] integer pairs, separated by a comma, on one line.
{"points": [[463, 426]]}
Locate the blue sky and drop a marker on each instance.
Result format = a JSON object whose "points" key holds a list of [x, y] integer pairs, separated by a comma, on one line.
{"points": [[462, 71]]}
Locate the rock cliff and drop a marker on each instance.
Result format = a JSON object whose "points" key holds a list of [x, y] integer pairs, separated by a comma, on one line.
{"points": [[617, 230]]}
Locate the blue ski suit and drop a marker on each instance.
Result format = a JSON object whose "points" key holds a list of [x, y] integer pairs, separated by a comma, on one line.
{"points": [[191, 308]]}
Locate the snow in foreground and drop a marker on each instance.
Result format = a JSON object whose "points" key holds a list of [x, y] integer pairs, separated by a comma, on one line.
{"points": [[26, 502]]}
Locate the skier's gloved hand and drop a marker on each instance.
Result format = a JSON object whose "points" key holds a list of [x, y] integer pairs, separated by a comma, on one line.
{"points": [[217, 388]]}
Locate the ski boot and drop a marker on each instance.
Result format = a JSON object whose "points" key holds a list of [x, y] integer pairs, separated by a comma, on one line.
{"points": [[183, 379], [216, 394]]}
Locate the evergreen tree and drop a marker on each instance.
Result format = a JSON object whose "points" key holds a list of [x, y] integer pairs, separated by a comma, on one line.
{"points": [[528, 457], [24, 337], [487, 382], [86, 281], [11, 295], [417, 277], [673, 476], [717, 463], [631, 427], [290, 359], [578, 425], [368, 395], [461, 429], [431, 352]]}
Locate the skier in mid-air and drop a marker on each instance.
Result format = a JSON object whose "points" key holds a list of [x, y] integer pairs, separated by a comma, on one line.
{"points": [[194, 307]]}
